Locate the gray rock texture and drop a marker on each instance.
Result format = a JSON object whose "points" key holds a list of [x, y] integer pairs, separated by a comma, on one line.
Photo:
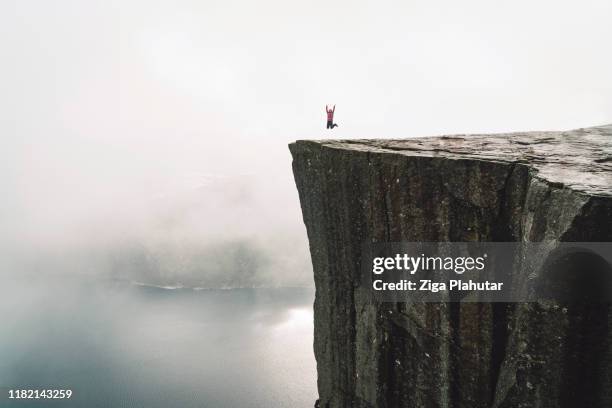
{"points": [[523, 187]]}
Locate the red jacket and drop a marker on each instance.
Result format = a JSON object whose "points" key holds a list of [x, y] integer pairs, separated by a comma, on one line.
{"points": [[330, 113]]}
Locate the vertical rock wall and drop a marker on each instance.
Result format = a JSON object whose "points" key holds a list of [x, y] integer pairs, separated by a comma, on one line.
{"points": [[490, 188]]}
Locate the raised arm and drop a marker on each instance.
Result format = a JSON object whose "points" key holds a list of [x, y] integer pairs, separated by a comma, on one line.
{"points": [[326, 109], [333, 110]]}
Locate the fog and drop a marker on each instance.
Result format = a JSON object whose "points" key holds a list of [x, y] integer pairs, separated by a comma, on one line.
{"points": [[147, 140]]}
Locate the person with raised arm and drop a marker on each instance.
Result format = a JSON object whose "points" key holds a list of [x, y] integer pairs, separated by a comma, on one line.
{"points": [[330, 117]]}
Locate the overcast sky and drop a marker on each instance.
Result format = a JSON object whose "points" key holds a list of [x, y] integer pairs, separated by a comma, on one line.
{"points": [[107, 107]]}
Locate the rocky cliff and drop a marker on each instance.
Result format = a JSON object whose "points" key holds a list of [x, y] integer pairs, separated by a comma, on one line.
{"points": [[535, 186]]}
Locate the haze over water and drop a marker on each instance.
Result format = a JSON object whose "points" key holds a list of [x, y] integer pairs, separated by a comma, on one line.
{"points": [[121, 345]]}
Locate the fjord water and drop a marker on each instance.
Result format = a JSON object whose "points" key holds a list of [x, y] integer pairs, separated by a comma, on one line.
{"points": [[117, 344]]}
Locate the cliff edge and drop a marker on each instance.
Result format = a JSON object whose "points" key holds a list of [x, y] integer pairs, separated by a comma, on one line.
{"points": [[517, 187]]}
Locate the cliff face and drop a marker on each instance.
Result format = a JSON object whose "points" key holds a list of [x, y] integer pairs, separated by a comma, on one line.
{"points": [[496, 188]]}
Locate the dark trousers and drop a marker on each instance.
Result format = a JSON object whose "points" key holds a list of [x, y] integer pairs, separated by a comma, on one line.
{"points": [[331, 125]]}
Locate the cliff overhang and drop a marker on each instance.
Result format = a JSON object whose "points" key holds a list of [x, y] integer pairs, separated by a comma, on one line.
{"points": [[516, 187]]}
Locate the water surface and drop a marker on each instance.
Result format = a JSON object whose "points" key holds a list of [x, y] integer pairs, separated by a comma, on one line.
{"points": [[124, 345]]}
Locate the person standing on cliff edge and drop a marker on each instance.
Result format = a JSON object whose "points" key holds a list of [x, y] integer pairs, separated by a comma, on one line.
{"points": [[330, 117]]}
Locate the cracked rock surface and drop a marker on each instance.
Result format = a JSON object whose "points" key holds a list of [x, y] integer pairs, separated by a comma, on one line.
{"points": [[533, 186]]}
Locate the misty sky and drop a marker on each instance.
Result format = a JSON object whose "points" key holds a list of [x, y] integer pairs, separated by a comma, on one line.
{"points": [[114, 112]]}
